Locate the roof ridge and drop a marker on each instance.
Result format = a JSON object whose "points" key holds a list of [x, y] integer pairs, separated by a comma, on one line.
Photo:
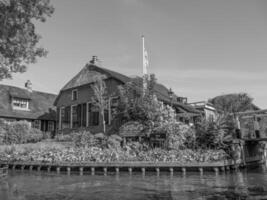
{"points": [[16, 87]]}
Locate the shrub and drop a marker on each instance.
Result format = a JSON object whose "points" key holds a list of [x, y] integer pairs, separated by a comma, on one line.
{"points": [[34, 135], [2, 135], [63, 138], [83, 139], [214, 134], [178, 135], [47, 135], [16, 132]]}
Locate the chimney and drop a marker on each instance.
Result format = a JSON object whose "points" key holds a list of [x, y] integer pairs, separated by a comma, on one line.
{"points": [[94, 60], [28, 85]]}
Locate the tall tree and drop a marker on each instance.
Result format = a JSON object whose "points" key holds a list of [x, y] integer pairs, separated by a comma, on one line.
{"points": [[233, 103], [18, 38], [100, 98]]}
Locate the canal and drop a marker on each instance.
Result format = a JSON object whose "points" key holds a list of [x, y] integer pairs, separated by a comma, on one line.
{"points": [[243, 184]]}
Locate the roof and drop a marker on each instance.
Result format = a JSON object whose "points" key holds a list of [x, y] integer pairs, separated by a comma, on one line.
{"points": [[88, 75], [89, 72], [40, 103]]}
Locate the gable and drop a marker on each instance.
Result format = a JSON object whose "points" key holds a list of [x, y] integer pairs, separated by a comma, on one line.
{"points": [[88, 75], [85, 93]]}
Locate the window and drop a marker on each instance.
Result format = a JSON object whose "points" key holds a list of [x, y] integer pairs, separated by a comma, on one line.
{"points": [[83, 115], [65, 117], [50, 126], [106, 116], [20, 104], [37, 124], [93, 115], [74, 117], [114, 103], [74, 95]]}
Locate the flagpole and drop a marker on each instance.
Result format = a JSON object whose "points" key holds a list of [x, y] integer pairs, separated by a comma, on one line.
{"points": [[144, 66], [143, 54]]}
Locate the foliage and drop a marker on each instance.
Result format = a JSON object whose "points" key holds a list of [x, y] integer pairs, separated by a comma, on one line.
{"points": [[232, 103], [53, 152], [100, 98], [178, 135], [18, 38], [18, 132], [141, 104], [214, 134], [34, 135], [63, 137], [83, 139]]}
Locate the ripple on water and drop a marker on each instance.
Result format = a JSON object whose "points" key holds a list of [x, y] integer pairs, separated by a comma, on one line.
{"points": [[39, 186]]}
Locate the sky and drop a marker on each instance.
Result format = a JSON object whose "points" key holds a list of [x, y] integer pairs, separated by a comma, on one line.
{"points": [[199, 48]]}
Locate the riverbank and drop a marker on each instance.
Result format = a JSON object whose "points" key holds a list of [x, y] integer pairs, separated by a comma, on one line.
{"points": [[53, 152]]}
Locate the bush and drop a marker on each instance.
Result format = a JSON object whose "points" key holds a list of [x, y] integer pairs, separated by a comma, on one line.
{"points": [[34, 135], [214, 134], [63, 138], [16, 132], [83, 139], [2, 135], [47, 135], [178, 135]]}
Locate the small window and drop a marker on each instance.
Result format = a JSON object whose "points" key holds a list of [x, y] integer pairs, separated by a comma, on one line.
{"points": [[20, 104], [37, 124], [74, 95]]}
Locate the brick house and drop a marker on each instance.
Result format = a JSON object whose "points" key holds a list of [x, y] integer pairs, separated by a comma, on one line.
{"points": [[74, 102], [28, 105]]}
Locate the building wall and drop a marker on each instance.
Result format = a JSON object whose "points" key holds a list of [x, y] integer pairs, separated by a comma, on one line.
{"points": [[85, 95]]}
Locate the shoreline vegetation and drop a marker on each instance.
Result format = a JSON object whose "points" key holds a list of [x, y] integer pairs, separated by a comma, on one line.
{"points": [[53, 152], [85, 147], [143, 115]]}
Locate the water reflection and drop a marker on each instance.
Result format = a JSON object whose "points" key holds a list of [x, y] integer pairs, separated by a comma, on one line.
{"points": [[231, 185]]}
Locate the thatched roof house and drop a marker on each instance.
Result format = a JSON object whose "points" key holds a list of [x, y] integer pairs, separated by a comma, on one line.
{"points": [[74, 104], [25, 104]]}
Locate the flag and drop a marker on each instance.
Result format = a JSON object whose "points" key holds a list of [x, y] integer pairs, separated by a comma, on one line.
{"points": [[145, 58]]}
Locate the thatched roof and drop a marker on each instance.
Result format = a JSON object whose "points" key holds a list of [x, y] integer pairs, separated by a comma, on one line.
{"points": [[40, 103], [88, 75]]}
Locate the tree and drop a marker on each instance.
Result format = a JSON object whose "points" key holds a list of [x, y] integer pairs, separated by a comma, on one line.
{"points": [[100, 98], [215, 134], [232, 103], [18, 38]]}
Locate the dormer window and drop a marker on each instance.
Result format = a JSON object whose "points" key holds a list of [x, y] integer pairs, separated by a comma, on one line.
{"points": [[74, 95], [20, 104]]}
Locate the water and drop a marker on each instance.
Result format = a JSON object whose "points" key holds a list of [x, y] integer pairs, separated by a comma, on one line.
{"points": [[245, 184]]}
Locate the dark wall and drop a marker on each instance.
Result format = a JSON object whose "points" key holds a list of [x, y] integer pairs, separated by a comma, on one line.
{"points": [[85, 93]]}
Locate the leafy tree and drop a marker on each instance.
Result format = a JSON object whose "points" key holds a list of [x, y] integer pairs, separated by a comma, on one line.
{"points": [[100, 98], [18, 37], [215, 134], [232, 103], [142, 105]]}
